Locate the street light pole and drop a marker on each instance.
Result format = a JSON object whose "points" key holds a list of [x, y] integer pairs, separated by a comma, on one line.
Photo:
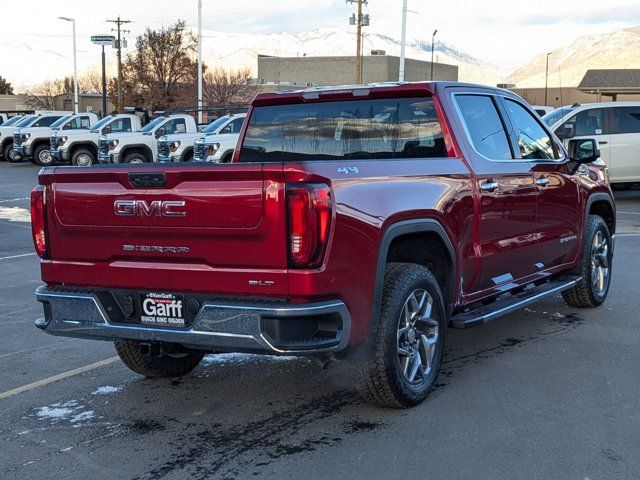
{"points": [[104, 84], [403, 40], [75, 63], [199, 61], [433, 41], [546, 80]]}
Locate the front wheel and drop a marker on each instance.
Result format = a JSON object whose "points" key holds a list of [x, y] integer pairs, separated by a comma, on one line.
{"points": [[595, 267], [157, 359], [10, 155], [409, 341], [42, 156], [135, 158], [83, 158]]}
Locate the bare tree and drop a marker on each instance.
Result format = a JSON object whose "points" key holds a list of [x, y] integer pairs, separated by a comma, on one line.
{"points": [[42, 96], [228, 87], [90, 82], [5, 87], [161, 72]]}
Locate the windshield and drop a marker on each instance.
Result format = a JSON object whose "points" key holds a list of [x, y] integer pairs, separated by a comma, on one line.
{"points": [[61, 121], [25, 122], [100, 123], [213, 126], [11, 121], [554, 116], [153, 124]]}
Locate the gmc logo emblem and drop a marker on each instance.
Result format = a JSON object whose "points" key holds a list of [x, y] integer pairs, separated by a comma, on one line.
{"points": [[157, 208]]}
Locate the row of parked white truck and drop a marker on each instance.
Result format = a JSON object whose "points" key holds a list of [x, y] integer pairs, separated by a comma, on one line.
{"points": [[83, 140]]}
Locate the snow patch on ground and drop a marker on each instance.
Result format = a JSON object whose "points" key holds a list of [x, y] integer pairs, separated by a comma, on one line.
{"points": [[106, 390], [225, 358], [15, 214], [70, 411]]}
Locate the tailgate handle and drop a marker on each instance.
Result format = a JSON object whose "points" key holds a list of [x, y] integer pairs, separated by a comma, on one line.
{"points": [[147, 180]]}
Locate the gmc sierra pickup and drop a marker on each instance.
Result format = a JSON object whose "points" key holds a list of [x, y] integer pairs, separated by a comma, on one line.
{"points": [[352, 222]]}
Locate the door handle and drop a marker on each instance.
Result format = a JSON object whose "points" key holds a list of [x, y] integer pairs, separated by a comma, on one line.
{"points": [[603, 143], [542, 181], [489, 186]]}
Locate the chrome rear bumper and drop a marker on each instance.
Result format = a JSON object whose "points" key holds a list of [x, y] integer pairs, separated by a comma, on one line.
{"points": [[217, 326]]}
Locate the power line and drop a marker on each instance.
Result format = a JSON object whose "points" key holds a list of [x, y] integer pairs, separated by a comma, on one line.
{"points": [[119, 24]]}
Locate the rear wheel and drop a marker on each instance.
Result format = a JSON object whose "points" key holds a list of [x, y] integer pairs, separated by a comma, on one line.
{"points": [[156, 359], [135, 158], [409, 342], [595, 267], [83, 158], [42, 156]]}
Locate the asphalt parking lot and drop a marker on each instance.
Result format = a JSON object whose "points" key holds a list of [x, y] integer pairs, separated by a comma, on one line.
{"points": [[550, 392]]}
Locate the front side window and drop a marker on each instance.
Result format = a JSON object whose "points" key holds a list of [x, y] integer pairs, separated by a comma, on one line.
{"points": [[534, 142], [485, 127], [353, 129], [234, 126], [625, 120], [77, 123], [120, 125], [177, 125], [586, 122]]}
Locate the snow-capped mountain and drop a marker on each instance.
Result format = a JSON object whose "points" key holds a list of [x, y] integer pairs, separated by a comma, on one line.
{"points": [[233, 50], [568, 64]]}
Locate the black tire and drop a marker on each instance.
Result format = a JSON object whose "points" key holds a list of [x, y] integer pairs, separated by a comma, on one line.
{"points": [[226, 158], [380, 377], [156, 365], [42, 156], [6, 151], [588, 294], [188, 157], [135, 158], [83, 157], [9, 156]]}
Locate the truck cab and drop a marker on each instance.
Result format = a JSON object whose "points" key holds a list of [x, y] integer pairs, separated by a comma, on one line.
{"points": [[34, 142], [142, 146], [80, 146], [180, 147], [218, 146]]}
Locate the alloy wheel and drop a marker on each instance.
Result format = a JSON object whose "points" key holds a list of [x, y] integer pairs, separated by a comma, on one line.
{"points": [[599, 262], [418, 335]]}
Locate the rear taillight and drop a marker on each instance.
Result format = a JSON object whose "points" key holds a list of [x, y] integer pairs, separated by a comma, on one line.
{"points": [[309, 208], [38, 221]]}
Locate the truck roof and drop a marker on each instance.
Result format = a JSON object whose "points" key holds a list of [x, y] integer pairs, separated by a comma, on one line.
{"points": [[370, 90]]}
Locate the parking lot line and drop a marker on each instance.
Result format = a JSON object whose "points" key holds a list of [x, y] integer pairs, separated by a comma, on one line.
{"points": [[17, 256], [60, 376], [628, 213]]}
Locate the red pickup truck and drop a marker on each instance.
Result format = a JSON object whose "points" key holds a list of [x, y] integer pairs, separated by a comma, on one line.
{"points": [[356, 222]]}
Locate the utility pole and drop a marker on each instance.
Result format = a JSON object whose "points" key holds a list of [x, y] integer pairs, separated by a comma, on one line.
{"points": [[119, 24], [546, 80], [199, 62], [359, 21], [433, 46], [403, 40]]}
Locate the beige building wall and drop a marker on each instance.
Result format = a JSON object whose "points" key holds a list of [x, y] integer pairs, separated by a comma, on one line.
{"points": [[557, 97], [305, 71], [13, 102]]}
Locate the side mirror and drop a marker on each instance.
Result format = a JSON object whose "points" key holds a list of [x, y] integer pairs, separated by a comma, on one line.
{"points": [[566, 131], [160, 132], [106, 130], [585, 150]]}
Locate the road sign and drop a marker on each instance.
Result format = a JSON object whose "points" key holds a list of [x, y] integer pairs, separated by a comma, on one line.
{"points": [[102, 39]]}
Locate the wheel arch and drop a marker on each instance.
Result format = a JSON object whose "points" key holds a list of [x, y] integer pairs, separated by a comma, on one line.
{"points": [[602, 204], [92, 147], [440, 258], [137, 148]]}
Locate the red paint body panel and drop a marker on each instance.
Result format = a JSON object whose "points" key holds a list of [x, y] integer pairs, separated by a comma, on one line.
{"points": [[235, 228]]}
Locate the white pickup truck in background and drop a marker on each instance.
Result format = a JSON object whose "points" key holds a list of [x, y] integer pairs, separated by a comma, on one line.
{"points": [[180, 147], [142, 146], [14, 132], [34, 142], [218, 147], [80, 146]]}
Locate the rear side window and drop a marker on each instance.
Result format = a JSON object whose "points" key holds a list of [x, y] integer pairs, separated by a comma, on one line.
{"points": [[367, 129], [626, 120], [484, 126], [534, 142]]}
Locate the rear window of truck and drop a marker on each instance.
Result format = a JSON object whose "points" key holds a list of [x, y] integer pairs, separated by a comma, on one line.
{"points": [[353, 129]]}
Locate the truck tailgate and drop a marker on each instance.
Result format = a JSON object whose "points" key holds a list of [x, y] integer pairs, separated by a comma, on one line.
{"points": [[215, 228]]}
